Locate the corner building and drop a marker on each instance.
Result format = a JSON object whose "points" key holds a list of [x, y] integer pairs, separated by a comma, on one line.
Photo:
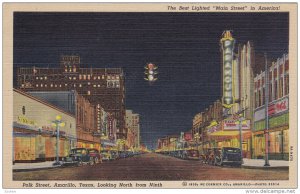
{"points": [[101, 86]]}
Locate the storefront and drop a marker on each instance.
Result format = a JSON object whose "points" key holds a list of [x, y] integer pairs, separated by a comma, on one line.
{"points": [[278, 131], [34, 137], [227, 134]]}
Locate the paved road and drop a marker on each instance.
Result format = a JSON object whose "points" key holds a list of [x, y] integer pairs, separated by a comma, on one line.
{"points": [[152, 167]]}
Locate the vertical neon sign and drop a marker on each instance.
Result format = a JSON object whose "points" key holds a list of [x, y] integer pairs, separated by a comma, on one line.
{"points": [[227, 45]]}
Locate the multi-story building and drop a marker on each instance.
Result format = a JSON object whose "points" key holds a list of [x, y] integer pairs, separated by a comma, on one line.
{"points": [[101, 86], [237, 86], [197, 121], [34, 136], [133, 126], [278, 111], [88, 135]]}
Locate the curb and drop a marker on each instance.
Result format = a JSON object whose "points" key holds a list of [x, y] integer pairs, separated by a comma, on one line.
{"points": [[34, 169], [265, 168]]}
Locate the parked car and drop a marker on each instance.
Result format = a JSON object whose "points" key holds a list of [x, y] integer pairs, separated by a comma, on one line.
{"points": [[106, 155], [79, 156], [229, 155], [95, 154], [114, 155], [190, 154]]}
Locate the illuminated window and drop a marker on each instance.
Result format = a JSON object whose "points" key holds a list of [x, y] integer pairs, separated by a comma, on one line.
{"points": [[84, 77], [37, 85], [45, 77], [80, 85], [89, 77], [74, 69], [89, 83], [37, 77], [98, 85], [60, 85], [41, 78], [45, 85], [22, 85], [89, 93], [42, 85], [94, 86], [80, 77], [95, 77], [74, 78], [103, 77], [51, 85], [55, 85], [108, 77], [99, 77], [66, 69], [74, 85]]}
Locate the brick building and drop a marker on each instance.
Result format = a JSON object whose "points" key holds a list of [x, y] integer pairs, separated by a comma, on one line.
{"points": [[101, 86]]}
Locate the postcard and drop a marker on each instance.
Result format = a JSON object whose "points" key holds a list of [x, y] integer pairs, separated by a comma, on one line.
{"points": [[150, 95]]}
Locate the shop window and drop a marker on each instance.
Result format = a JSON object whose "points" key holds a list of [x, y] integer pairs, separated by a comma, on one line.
{"points": [[286, 83], [275, 90], [286, 141], [23, 110]]}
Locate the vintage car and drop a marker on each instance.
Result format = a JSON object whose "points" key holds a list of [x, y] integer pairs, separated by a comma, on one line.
{"points": [[95, 154], [190, 154], [228, 155], [79, 156], [208, 155], [106, 155]]}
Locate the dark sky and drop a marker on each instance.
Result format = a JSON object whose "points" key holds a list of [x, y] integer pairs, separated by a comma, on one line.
{"points": [[184, 46]]}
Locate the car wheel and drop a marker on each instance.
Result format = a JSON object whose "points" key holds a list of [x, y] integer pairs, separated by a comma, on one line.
{"points": [[79, 163], [96, 160], [91, 162]]}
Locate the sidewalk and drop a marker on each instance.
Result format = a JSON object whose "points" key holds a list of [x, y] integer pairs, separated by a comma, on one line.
{"points": [[33, 166], [259, 163]]}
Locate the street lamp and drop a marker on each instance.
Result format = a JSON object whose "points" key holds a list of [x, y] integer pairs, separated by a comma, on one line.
{"points": [[266, 113], [197, 137], [57, 123]]}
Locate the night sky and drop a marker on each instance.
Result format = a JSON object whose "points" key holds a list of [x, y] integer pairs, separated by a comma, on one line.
{"points": [[184, 46]]}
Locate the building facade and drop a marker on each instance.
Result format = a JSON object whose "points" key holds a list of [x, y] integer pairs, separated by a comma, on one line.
{"points": [[278, 111], [34, 137], [88, 135], [133, 126], [101, 86]]}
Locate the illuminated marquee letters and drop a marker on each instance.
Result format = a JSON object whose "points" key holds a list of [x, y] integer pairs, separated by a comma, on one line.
{"points": [[227, 46]]}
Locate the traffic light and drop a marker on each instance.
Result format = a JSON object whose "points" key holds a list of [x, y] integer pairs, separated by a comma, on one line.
{"points": [[151, 72]]}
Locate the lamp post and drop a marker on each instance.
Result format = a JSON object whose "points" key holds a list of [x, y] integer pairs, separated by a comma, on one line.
{"points": [[266, 113], [57, 123]]}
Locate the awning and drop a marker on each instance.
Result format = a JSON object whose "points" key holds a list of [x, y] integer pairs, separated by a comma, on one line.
{"points": [[228, 133], [107, 143]]}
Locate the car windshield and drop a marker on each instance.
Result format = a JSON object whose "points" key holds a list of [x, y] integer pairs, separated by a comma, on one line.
{"points": [[232, 150], [78, 151]]}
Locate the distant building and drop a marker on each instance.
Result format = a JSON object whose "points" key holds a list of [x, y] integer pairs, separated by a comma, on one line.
{"points": [[101, 86], [133, 126]]}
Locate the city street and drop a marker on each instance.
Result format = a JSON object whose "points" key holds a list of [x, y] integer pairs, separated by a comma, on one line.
{"points": [[152, 166]]}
